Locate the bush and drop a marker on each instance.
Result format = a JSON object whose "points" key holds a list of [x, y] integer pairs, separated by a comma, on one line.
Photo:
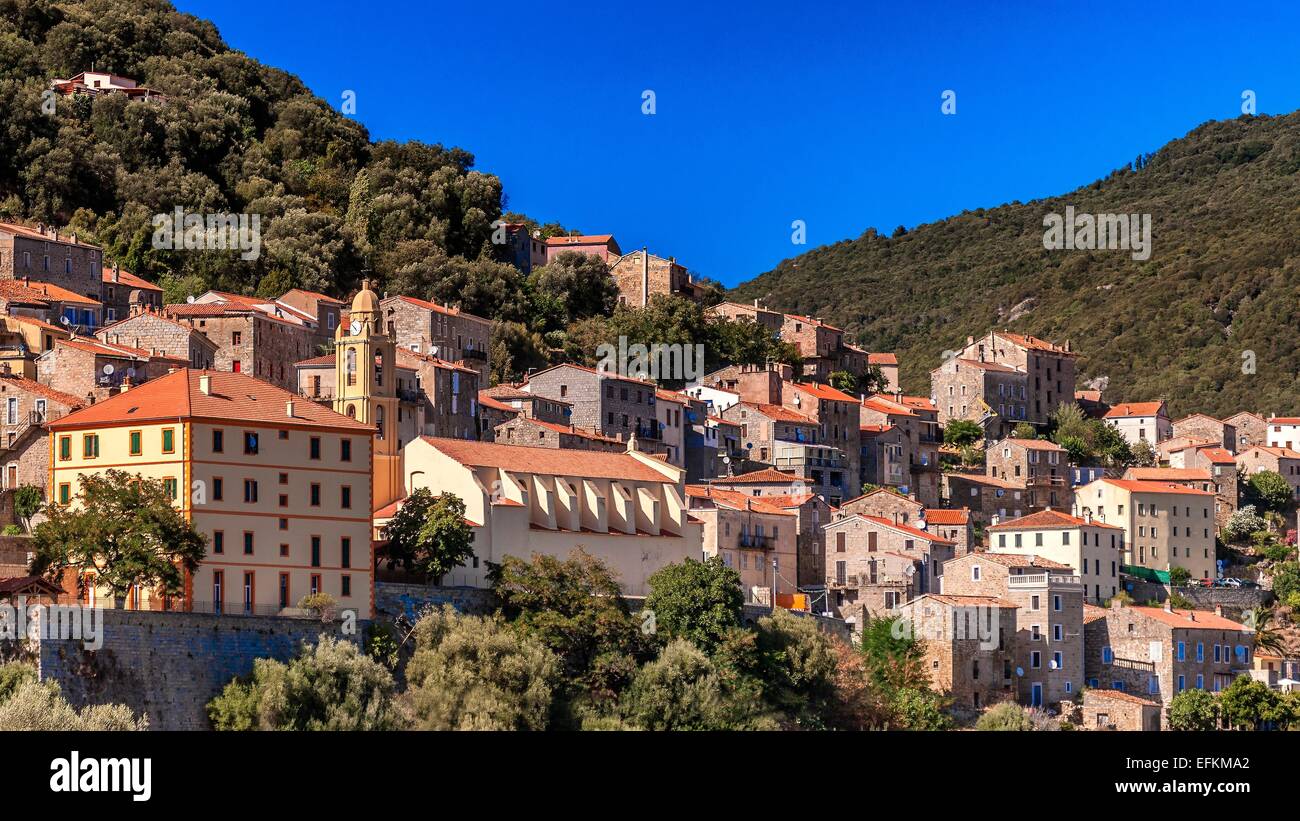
{"points": [[13, 675], [696, 601], [1179, 601], [1123, 597], [1242, 524], [1005, 716], [683, 690], [1193, 710], [329, 686], [1179, 576], [320, 605], [33, 705], [473, 673], [1286, 579], [12, 530]]}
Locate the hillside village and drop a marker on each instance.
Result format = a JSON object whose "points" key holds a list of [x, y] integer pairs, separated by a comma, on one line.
{"points": [[1102, 539]]}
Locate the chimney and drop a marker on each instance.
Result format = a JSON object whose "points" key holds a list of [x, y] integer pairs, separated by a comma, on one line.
{"points": [[1169, 607], [993, 521], [1218, 610], [205, 385], [288, 408], [1115, 603], [126, 384]]}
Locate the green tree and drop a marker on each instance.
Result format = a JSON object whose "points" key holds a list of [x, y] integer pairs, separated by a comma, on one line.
{"points": [[798, 666], [1243, 523], [962, 432], [873, 380], [682, 690], [1266, 635], [570, 287], [1194, 710], [1179, 576], [39, 706], [1270, 490], [696, 601], [331, 685], [1108, 444], [843, 381], [27, 503], [123, 529], [920, 708], [1024, 430], [429, 534], [12, 675], [576, 609], [1143, 454], [1286, 579], [475, 673], [1247, 703]]}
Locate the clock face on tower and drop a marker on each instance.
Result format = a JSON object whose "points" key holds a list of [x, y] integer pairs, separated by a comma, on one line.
{"points": [[355, 327]]}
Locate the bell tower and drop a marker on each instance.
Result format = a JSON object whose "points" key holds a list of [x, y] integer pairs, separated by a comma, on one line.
{"points": [[365, 380]]}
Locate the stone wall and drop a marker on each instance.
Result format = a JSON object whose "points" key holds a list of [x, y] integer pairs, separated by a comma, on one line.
{"points": [[1234, 600], [170, 665], [393, 599]]}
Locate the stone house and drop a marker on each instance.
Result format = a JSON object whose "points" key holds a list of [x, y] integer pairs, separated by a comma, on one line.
{"points": [[958, 526], [1028, 376], [791, 442], [990, 394], [888, 364], [124, 292], [918, 418], [1049, 598], [95, 370], [51, 303], [1117, 710], [1041, 466], [641, 275], [1250, 429], [26, 407], [763, 482], [985, 496], [885, 456], [969, 647], [250, 340], [602, 246], [1202, 428], [755, 537], [885, 503], [327, 310], [1160, 652], [736, 312], [44, 254], [441, 331], [535, 433], [812, 513], [1277, 459], [151, 331], [853, 543]]}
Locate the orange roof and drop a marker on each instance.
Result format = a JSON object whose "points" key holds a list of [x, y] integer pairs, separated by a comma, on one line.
{"points": [[789, 500], [1032, 444], [1285, 420], [780, 413], [32, 233], [555, 462], [1136, 486], [812, 321], [31, 320], [431, 306], [883, 404], [1092, 612], [511, 392], [316, 295], [670, 396], [236, 397], [128, 278], [194, 332], [1020, 560], [1171, 474], [945, 516], [1033, 343], [759, 477], [29, 291], [822, 391], [902, 528], [736, 500], [590, 239], [37, 388], [888, 490], [1135, 409], [571, 430], [1045, 519], [1281, 453], [875, 430], [1218, 455], [424, 357], [1088, 395], [882, 359], [601, 374], [1191, 619], [488, 402]]}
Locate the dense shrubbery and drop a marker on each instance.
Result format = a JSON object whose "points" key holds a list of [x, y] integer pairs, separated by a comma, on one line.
{"points": [[28, 704]]}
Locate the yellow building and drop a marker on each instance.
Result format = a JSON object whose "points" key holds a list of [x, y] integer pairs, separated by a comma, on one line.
{"points": [[1166, 525], [279, 485], [365, 379], [626, 509]]}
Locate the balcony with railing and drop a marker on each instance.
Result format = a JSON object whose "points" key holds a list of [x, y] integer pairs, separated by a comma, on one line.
{"points": [[474, 354], [853, 581], [754, 541], [1043, 580]]}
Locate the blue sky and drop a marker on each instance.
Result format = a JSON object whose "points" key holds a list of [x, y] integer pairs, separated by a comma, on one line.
{"points": [[771, 112]]}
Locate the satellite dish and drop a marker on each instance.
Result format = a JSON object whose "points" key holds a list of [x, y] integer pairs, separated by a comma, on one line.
{"points": [[108, 370], [434, 350], [63, 320], [920, 524], [726, 460], [749, 445], [910, 570], [1020, 671], [1052, 665], [189, 300]]}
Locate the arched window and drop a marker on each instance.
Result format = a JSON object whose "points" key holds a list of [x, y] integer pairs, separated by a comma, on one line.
{"points": [[352, 411], [379, 421], [351, 366]]}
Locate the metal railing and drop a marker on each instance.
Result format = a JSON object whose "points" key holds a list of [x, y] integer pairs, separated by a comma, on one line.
{"points": [[758, 542], [1041, 579]]}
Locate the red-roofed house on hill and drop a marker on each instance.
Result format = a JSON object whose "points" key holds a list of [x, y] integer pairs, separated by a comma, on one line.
{"points": [[162, 336], [442, 331], [1277, 459], [1166, 524], [627, 509], [1040, 465], [91, 368], [790, 441], [602, 246], [1203, 428], [1047, 377], [327, 310], [1160, 652], [755, 537], [1141, 422], [969, 646], [279, 486], [1251, 429], [45, 254], [253, 336], [1093, 549], [854, 542], [96, 83]]}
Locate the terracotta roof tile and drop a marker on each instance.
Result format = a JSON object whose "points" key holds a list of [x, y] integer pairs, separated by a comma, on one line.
{"points": [[1135, 409], [129, 279], [1021, 560], [1135, 486], [1045, 519], [736, 500], [554, 462], [31, 386], [757, 477], [946, 516]]}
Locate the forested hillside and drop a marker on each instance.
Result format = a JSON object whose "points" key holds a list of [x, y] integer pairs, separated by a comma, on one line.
{"points": [[1223, 278]]}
